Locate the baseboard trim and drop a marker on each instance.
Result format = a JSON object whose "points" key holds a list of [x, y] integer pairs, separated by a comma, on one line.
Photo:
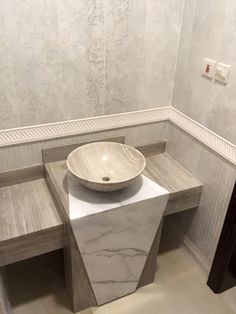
{"points": [[64, 129]]}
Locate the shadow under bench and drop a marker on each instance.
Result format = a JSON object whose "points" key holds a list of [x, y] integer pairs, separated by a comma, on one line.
{"points": [[34, 202]]}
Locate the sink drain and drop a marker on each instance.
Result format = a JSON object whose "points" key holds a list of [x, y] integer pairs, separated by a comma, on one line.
{"points": [[106, 179]]}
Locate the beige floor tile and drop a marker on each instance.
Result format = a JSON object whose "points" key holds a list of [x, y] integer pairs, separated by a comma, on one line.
{"points": [[229, 298]]}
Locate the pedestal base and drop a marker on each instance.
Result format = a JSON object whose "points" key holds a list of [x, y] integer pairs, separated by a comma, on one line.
{"points": [[113, 241]]}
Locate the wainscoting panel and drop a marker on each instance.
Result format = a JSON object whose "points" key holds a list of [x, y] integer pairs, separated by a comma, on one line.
{"points": [[203, 226]]}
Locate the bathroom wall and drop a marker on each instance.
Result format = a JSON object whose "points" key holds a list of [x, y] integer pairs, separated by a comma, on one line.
{"points": [[208, 30], [202, 226], [72, 59], [30, 154]]}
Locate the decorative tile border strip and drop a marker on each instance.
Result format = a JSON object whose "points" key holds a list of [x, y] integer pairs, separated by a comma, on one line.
{"points": [[81, 126], [110, 122], [204, 135]]}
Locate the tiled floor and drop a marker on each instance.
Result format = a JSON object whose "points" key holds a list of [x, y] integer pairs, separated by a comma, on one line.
{"points": [[38, 288]]}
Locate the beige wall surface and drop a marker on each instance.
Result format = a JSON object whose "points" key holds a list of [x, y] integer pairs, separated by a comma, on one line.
{"points": [[208, 31], [72, 59]]}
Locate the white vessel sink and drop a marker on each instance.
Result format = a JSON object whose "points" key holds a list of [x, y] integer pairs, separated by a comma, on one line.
{"points": [[106, 166]]}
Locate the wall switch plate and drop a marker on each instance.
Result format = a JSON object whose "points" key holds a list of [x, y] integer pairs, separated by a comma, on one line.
{"points": [[209, 67], [222, 73]]}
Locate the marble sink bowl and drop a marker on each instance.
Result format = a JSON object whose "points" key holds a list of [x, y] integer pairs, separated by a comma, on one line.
{"points": [[106, 166]]}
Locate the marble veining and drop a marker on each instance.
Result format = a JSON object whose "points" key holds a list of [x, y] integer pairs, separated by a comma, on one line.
{"points": [[114, 233], [83, 202]]}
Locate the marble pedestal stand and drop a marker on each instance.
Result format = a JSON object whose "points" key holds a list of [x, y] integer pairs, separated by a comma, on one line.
{"points": [[113, 241]]}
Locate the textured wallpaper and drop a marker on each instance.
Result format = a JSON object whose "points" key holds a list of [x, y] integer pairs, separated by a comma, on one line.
{"points": [[68, 59]]}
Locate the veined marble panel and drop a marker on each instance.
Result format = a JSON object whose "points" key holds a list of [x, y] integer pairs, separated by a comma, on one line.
{"points": [[114, 232]]}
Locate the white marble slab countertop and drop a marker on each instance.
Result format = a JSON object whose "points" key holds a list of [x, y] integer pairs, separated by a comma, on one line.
{"points": [[84, 202]]}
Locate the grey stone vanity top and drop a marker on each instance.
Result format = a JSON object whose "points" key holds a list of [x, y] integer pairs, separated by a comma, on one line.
{"points": [[185, 190], [30, 224]]}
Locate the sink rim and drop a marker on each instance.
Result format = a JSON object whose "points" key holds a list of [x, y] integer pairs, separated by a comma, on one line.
{"points": [[101, 182]]}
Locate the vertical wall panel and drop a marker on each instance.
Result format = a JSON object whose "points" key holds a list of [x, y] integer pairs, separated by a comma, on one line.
{"points": [[203, 227], [71, 59]]}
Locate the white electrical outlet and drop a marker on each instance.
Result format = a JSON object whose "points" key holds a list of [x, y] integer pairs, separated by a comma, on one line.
{"points": [[222, 72]]}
